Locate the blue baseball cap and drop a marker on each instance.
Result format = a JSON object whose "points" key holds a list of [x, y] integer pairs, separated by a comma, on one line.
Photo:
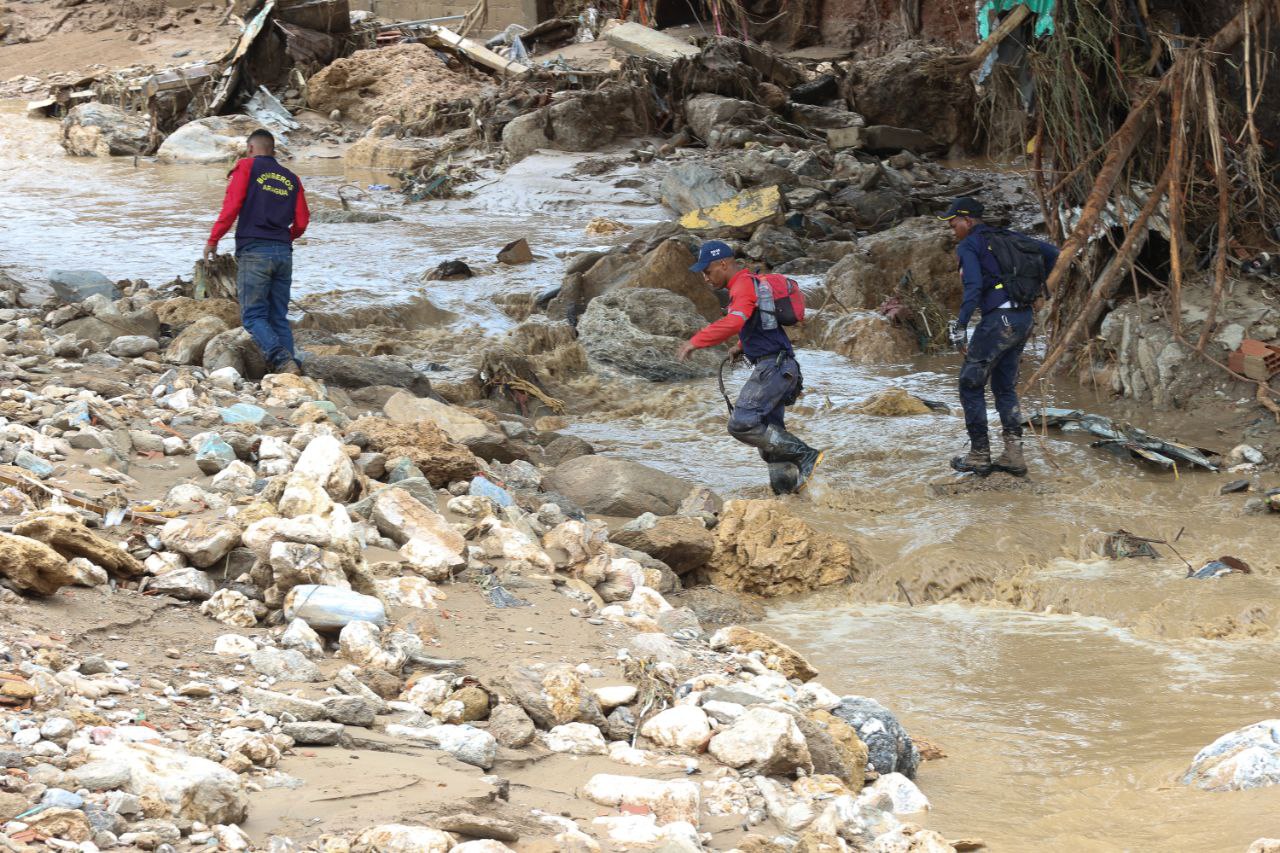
{"points": [[963, 206], [711, 251]]}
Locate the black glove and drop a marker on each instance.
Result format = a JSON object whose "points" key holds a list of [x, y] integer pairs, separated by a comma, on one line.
{"points": [[957, 334]]}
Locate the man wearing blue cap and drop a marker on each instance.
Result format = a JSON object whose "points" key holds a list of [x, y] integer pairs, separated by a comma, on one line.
{"points": [[757, 319], [1003, 274]]}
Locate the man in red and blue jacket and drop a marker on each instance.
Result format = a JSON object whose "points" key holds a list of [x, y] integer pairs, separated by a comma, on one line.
{"points": [[269, 207], [775, 383]]}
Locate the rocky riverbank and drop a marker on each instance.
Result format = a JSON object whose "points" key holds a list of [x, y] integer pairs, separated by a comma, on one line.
{"points": [[216, 585]]}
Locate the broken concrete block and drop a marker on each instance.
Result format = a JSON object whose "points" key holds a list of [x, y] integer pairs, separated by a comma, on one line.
{"points": [[746, 208]]}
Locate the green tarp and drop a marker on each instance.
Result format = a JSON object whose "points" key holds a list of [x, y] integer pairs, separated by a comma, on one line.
{"points": [[1042, 10]]}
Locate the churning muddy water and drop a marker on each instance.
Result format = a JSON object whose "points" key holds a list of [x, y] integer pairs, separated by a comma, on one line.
{"points": [[1068, 691]]}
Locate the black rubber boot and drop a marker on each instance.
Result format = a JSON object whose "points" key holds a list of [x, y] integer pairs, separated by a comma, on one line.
{"points": [[782, 446], [976, 461]]}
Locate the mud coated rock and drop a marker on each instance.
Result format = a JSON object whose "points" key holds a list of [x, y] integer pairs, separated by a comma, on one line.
{"points": [[398, 838], [512, 727], [669, 801], [762, 549], [583, 123], [865, 278], [32, 566], [618, 487], [190, 344], [889, 747], [102, 130], [235, 348], [356, 372], [777, 656], [683, 543], [691, 185], [639, 331], [314, 733], [72, 539]]}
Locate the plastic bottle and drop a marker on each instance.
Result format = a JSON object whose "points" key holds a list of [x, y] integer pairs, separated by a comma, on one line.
{"points": [[764, 304]]}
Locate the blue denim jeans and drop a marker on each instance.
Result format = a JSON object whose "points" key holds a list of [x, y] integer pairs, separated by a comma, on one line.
{"points": [[263, 280], [993, 356]]}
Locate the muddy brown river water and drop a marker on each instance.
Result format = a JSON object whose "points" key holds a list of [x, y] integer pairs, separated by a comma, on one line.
{"points": [[1068, 691]]}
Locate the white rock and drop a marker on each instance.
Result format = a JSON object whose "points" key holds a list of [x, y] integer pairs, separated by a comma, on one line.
{"points": [[465, 743], [615, 695], [164, 561], [230, 608], [576, 739], [683, 727], [427, 692], [361, 643], [226, 378], [186, 584], [814, 697], [57, 729], [648, 601], [284, 665], [517, 548], [236, 479], [179, 401], [398, 838], [325, 462], [911, 839], [633, 832], [188, 498], [202, 543], [669, 801], [763, 740], [175, 446], [304, 495], [401, 517], [410, 591], [480, 845], [26, 737], [299, 637], [895, 793], [234, 646], [1243, 759], [724, 712], [1242, 453], [575, 542], [431, 558], [624, 753], [193, 788]]}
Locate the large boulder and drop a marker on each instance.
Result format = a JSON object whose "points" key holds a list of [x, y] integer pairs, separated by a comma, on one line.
{"points": [[181, 311], [459, 425], [863, 337], [664, 267], [235, 348], [777, 656], [618, 487], [691, 185], [639, 332], [190, 344], [191, 788], [1239, 760], [425, 444], [764, 740], [109, 322], [922, 246], [31, 566], [763, 549], [553, 696], [908, 88], [889, 747], [70, 538], [78, 285], [216, 139], [347, 371], [583, 123], [103, 130], [704, 112], [682, 542]]}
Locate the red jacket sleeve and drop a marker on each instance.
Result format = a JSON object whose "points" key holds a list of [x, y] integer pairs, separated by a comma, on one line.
{"points": [[742, 303], [301, 215], [237, 186]]}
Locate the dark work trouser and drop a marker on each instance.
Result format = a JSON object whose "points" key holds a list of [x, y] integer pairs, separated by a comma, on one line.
{"points": [[758, 418], [993, 355], [264, 278]]}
